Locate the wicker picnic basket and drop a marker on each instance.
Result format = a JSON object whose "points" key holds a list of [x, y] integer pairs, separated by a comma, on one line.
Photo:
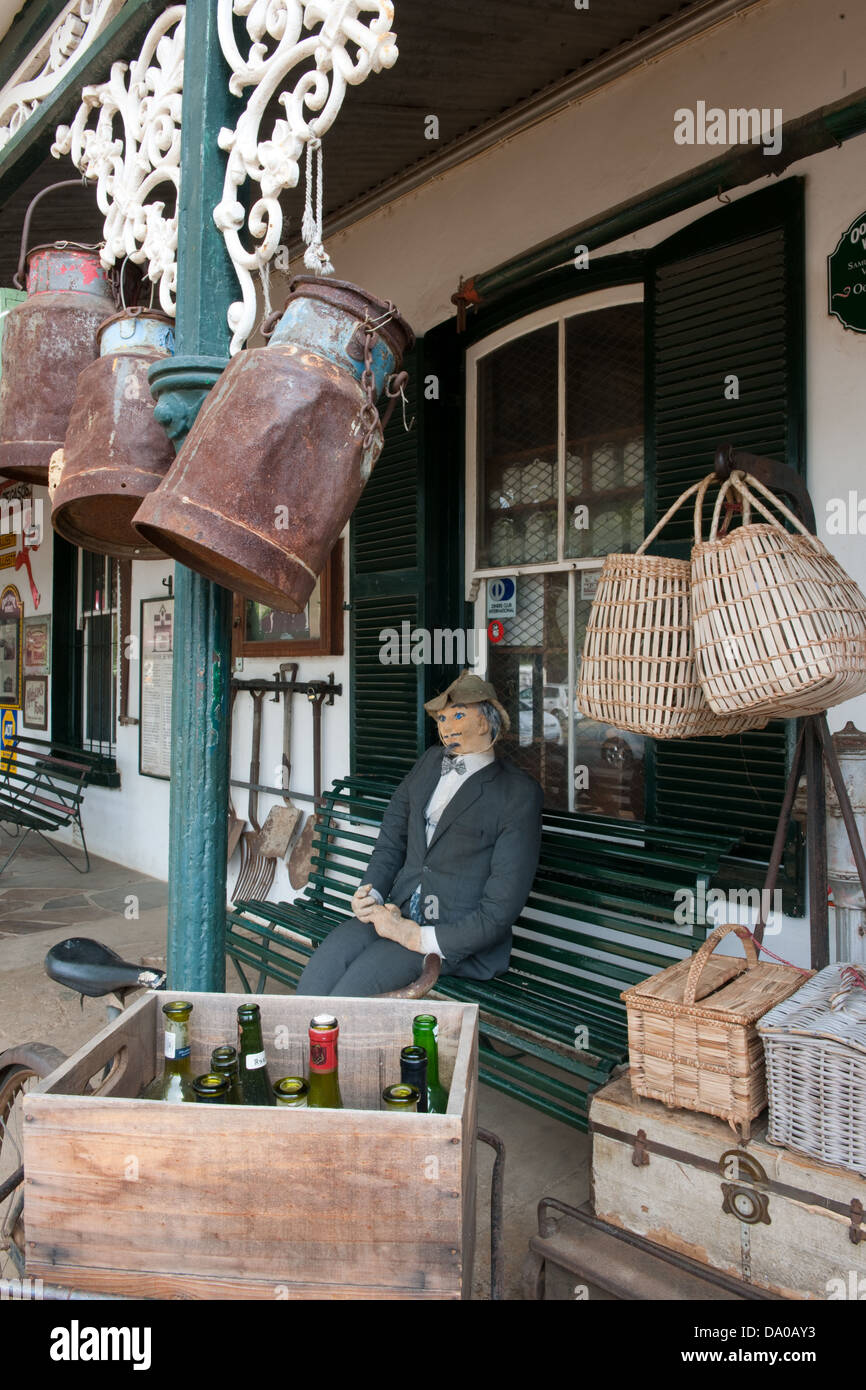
{"points": [[638, 669], [691, 1030], [779, 626], [815, 1045]]}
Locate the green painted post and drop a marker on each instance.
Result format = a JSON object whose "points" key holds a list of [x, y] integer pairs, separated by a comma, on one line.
{"points": [[202, 651]]}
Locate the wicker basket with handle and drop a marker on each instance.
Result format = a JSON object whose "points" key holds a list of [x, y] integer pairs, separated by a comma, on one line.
{"points": [[779, 627], [638, 669], [815, 1045], [691, 1030]]}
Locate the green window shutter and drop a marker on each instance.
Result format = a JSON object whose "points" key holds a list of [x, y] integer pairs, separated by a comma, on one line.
{"points": [[725, 299], [386, 568]]}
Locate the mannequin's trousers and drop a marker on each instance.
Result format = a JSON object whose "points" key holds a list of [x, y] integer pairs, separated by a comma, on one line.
{"points": [[354, 960]]}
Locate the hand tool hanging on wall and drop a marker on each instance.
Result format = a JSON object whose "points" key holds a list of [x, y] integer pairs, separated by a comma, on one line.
{"points": [[48, 339], [282, 821], [301, 860], [236, 825], [256, 874], [283, 446]]}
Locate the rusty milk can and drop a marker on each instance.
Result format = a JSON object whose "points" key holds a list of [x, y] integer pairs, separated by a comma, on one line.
{"points": [[115, 452], [283, 446], [47, 341]]}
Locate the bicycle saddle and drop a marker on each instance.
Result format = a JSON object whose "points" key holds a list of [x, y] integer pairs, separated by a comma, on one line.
{"points": [[90, 968]]}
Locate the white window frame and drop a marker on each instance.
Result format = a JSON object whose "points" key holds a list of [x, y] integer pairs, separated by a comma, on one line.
{"points": [[477, 576]]}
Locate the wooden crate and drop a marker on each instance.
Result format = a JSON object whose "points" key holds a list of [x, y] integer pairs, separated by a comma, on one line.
{"points": [[199, 1201], [777, 1220]]}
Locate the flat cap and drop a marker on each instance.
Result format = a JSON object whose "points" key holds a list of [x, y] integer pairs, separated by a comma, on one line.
{"points": [[467, 689]]}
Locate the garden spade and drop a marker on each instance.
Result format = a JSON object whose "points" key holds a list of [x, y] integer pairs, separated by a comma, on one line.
{"points": [[302, 854], [236, 824], [282, 821]]}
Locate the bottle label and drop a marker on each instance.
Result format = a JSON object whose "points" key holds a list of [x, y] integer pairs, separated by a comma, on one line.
{"points": [[171, 1048], [323, 1052], [255, 1060]]}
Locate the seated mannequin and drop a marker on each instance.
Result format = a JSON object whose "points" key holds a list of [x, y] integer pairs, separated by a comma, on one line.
{"points": [[453, 864]]}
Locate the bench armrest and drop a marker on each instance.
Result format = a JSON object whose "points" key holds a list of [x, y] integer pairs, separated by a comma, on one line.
{"points": [[424, 983]]}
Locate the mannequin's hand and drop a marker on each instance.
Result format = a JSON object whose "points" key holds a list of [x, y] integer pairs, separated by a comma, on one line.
{"points": [[363, 903], [389, 924]]}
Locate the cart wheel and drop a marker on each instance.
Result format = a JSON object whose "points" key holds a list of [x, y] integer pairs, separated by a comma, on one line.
{"points": [[20, 1069]]}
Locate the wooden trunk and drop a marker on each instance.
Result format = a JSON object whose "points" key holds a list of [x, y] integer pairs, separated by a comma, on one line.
{"points": [[771, 1217], [203, 1201]]}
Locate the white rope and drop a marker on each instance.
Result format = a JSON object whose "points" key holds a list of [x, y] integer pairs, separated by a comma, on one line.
{"points": [[316, 257]]}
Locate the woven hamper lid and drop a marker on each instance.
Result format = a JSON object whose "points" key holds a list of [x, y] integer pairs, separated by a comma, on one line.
{"points": [[810, 1014]]}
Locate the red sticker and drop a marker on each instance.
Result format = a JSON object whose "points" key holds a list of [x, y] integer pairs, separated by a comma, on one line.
{"points": [[495, 630]]}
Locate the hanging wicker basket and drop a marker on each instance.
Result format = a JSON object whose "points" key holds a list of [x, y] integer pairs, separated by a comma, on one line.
{"points": [[638, 670], [779, 627]]}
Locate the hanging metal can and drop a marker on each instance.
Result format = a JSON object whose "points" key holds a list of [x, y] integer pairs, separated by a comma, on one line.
{"points": [[47, 340], [281, 450], [115, 452]]}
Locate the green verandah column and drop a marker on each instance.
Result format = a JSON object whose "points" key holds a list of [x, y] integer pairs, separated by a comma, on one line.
{"points": [[202, 636]]}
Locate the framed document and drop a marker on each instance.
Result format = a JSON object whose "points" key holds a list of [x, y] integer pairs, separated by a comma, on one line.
{"points": [[37, 646], [154, 709], [35, 715], [10, 646]]}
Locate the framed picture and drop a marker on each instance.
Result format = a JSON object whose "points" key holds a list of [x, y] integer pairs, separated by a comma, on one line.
{"points": [[11, 617], [154, 707], [35, 715], [261, 631], [37, 646]]}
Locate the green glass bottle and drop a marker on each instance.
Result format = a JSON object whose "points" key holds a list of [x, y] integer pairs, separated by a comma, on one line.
{"points": [[402, 1097], [324, 1092], [225, 1060], [425, 1031], [413, 1072], [175, 1083], [292, 1090], [255, 1081], [213, 1088]]}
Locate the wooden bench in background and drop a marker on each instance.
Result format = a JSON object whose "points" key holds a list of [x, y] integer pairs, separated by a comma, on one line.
{"points": [[41, 789], [600, 917]]}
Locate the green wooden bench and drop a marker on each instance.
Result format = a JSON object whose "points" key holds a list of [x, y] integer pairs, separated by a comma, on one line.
{"points": [[600, 916]]}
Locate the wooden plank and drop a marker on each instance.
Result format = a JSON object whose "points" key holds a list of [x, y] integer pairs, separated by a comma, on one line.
{"points": [[129, 1284], [129, 1039]]}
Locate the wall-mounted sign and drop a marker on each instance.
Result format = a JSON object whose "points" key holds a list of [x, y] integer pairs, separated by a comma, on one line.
{"points": [[37, 646], [502, 597], [11, 617], [157, 654], [8, 739], [589, 583], [846, 277]]}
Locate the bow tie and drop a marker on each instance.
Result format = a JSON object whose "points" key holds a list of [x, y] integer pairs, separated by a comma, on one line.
{"points": [[453, 765]]}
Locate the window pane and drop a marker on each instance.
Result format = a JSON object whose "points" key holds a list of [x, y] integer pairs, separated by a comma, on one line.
{"points": [[99, 699], [608, 763], [604, 470], [265, 624], [93, 595], [529, 669], [517, 474]]}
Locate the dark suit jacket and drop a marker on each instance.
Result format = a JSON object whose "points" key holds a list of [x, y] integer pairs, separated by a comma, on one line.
{"points": [[479, 866]]}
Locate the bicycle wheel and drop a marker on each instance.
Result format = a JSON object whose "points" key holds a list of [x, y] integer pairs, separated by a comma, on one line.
{"points": [[20, 1069]]}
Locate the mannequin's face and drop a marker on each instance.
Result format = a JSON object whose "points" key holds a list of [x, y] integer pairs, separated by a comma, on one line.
{"points": [[463, 729]]}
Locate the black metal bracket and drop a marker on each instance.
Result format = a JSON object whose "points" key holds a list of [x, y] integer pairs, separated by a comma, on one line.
{"points": [[778, 477], [314, 690]]}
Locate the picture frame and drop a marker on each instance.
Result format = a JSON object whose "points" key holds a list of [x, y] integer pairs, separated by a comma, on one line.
{"points": [[154, 690], [35, 705], [261, 631], [37, 646], [11, 623]]}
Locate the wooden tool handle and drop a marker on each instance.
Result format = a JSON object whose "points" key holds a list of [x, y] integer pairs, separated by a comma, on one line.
{"points": [[702, 956]]}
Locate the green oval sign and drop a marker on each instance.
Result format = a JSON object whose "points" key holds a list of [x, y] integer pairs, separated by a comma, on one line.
{"points": [[846, 275]]}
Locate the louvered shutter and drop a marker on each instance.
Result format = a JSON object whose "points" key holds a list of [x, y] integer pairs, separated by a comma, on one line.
{"points": [[724, 300], [387, 589]]}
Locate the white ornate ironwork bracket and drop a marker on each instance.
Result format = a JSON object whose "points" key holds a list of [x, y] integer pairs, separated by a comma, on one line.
{"points": [[342, 52], [49, 61], [133, 153]]}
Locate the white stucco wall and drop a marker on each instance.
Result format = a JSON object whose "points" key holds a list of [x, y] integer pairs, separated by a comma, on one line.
{"points": [[795, 55]]}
